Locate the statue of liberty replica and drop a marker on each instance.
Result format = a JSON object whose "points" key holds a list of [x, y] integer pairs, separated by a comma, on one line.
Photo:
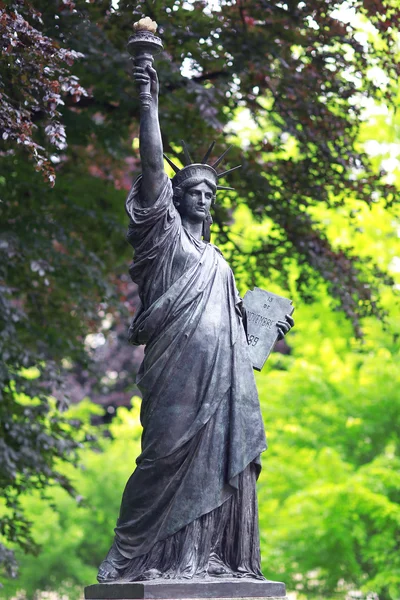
{"points": [[189, 510]]}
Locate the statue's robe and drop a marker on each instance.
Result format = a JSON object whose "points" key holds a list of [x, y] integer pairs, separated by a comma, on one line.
{"points": [[202, 424]]}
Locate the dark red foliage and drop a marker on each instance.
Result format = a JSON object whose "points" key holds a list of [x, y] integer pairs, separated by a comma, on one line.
{"points": [[33, 81]]}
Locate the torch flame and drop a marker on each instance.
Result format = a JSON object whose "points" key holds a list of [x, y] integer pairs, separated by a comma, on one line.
{"points": [[145, 24]]}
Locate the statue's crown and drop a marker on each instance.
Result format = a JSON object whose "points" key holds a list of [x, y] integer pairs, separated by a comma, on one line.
{"points": [[199, 170]]}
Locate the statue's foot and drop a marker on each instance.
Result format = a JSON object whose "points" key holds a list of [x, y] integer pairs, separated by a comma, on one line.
{"points": [[216, 568], [107, 573], [151, 574], [217, 571]]}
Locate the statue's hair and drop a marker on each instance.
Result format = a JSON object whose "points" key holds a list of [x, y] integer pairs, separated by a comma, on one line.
{"points": [[180, 190]]}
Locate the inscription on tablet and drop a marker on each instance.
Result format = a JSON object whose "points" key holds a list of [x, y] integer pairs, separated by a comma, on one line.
{"points": [[263, 310]]}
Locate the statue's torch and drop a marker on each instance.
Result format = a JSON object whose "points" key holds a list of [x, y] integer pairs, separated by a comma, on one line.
{"points": [[143, 45]]}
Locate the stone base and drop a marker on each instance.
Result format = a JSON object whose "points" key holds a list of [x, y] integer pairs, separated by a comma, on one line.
{"points": [[179, 590]]}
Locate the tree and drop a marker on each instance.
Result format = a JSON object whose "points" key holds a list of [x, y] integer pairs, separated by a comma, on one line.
{"points": [[293, 69], [49, 278], [298, 70], [33, 81], [75, 536]]}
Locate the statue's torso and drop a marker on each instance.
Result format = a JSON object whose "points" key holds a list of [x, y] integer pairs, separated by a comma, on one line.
{"points": [[164, 249]]}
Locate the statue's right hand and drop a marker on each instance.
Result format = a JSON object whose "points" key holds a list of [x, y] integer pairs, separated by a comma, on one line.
{"points": [[146, 75]]}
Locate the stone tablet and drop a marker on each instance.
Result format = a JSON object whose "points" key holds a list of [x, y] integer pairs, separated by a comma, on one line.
{"points": [[263, 310]]}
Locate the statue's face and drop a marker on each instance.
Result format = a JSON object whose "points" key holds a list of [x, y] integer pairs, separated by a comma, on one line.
{"points": [[196, 202]]}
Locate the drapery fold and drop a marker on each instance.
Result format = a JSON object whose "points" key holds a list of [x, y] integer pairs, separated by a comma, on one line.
{"points": [[224, 541]]}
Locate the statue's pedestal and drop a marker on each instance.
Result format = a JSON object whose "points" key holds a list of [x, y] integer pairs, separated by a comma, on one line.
{"points": [[186, 590]]}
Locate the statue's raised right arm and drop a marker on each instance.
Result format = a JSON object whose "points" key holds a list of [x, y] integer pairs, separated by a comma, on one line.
{"points": [[151, 149]]}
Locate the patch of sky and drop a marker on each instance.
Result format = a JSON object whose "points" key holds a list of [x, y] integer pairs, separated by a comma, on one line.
{"points": [[211, 5], [94, 340], [189, 68], [311, 22], [244, 127], [394, 265]]}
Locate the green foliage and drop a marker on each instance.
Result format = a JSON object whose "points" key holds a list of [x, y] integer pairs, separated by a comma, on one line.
{"points": [[330, 490], [329, 497], [74, 534], [35, 440], [52, 282]]}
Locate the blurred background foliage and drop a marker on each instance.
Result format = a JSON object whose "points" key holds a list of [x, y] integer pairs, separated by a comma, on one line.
{"points": [[307, 93]]}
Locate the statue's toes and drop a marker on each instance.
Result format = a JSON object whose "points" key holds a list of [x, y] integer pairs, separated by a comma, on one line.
{"points": [[151, 574], [216, 568], [107, 573]]}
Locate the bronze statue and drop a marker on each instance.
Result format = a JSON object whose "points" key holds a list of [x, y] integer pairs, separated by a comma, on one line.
{"points": [[189, 510]]}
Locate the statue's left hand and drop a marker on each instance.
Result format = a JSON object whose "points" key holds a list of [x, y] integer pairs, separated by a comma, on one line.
{"points": [[284, 326]]}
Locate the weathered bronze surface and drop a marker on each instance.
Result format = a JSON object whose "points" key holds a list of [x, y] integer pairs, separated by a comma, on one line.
{"points": [[189, 509], [143, 45], [264, 310]]}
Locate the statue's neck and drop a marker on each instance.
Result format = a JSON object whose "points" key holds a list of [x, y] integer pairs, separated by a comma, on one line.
{"points": [[195, 229]]}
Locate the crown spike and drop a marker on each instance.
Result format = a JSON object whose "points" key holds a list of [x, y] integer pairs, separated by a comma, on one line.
{"points": [[215, 165], [224, 187], [228, 171], [207, 154], [171, 164], [188, 158]]}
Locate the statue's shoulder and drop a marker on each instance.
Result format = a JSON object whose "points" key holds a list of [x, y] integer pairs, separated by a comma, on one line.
{"points": [[217, 249]]}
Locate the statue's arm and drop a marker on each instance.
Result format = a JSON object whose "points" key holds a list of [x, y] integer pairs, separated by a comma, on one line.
{"points": [[150, 142]]}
